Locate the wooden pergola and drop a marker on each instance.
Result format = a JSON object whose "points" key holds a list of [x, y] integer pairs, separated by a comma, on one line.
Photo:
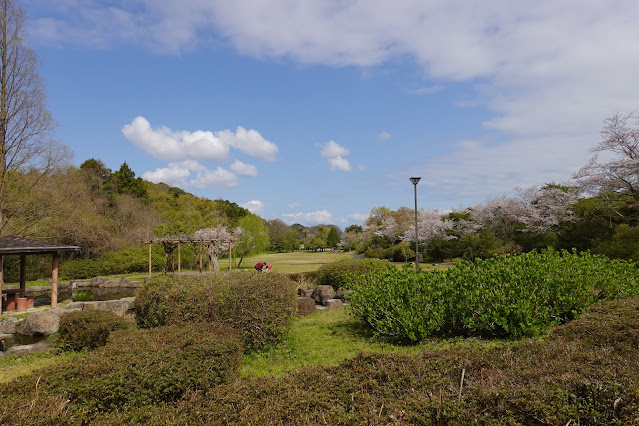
{"points": [[12, 245], [188, 239]]}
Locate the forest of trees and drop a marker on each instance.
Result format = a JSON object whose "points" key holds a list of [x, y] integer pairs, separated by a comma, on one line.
{"points": [[598, 210]]}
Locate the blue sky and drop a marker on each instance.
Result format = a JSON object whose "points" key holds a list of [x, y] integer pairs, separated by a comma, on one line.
{"points": [[317, 111]]}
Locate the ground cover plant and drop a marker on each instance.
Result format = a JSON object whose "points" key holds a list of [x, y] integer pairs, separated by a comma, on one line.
{"points": [[505, 296], [261, 306]]}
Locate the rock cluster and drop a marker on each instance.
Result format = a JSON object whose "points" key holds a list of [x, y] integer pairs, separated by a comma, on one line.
{"points": [[45, 323], [322, 297]]}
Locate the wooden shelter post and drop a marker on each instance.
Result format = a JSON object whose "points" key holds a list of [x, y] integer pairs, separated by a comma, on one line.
{"points": [[54, 280], [23, 274], [200, 257], [179, 260], [230, 251], [210, 263]]}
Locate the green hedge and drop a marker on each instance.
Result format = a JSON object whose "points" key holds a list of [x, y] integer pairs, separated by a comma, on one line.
{"points": [[340, 274], [261, 306], [143, 367], [505, 296], [89, 329], [129, 260]]}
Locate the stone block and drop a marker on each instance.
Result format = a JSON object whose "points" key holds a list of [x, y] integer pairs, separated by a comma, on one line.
{"points": [[305, 305], [333, 304], [322, 293]]}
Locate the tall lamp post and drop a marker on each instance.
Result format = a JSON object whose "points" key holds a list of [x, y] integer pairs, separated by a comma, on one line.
{"points": [[415, 180]]}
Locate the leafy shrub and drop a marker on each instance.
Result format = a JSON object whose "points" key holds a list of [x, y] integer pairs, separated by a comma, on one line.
{"points": [[261, 306], [128, 260], [135, 368], [79, 268], [89, 329], [83, 296], [339, 274], [505, 296]]}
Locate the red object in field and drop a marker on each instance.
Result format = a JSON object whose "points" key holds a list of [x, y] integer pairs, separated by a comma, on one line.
{"points": [[11, 302], [21, 303]]}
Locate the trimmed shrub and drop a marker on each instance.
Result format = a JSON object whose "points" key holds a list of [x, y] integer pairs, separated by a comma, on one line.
{"points": [[89, 329], [132, 259], [341, 273], [505, 296], [79, 269], [261, 306], [143, 367]]}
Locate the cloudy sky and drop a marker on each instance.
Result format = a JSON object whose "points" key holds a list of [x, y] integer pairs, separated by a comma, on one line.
{"points": [[316, 111]]}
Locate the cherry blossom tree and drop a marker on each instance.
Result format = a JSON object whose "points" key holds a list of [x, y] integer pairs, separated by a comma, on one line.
{"points": [[430, 224], [534, 210], [620, 175]]}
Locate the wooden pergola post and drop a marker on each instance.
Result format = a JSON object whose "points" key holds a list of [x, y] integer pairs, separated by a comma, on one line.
{"points": [[179, 260], [1, 280], [54, 280], [200, 257], [210, 265], [150, 260], [230, 251]]}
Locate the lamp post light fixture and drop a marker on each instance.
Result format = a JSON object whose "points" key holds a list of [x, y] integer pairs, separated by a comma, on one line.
{"points": [[414, 181]]}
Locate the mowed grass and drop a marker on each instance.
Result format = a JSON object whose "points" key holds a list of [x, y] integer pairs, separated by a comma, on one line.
{"points": [[288, 263], [326, 338], [12, 367]]}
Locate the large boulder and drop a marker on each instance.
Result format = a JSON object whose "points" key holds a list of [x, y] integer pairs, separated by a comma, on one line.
{"points": [[41, 323], [322, 293]]}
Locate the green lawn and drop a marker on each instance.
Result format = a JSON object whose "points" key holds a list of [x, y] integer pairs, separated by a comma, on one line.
{"points": [[286, 263]]}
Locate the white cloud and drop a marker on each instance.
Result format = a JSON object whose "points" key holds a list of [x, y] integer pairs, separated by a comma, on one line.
{"points": [[192, 174], [165, 144], [294, 205], [309, 218], [384, 137], [240, 168], [546, 69], [334, 154], [254, 206], [429, 90]]}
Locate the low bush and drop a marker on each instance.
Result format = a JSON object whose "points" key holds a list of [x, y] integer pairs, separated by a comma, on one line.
{"points": [[143, 367], [261, 306], [341, 273], [89, 329], [505, 296], [79, 269], [567, 378]]}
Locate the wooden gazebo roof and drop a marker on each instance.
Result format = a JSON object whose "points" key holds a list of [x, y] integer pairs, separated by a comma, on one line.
{"points": [[11, 244]]}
